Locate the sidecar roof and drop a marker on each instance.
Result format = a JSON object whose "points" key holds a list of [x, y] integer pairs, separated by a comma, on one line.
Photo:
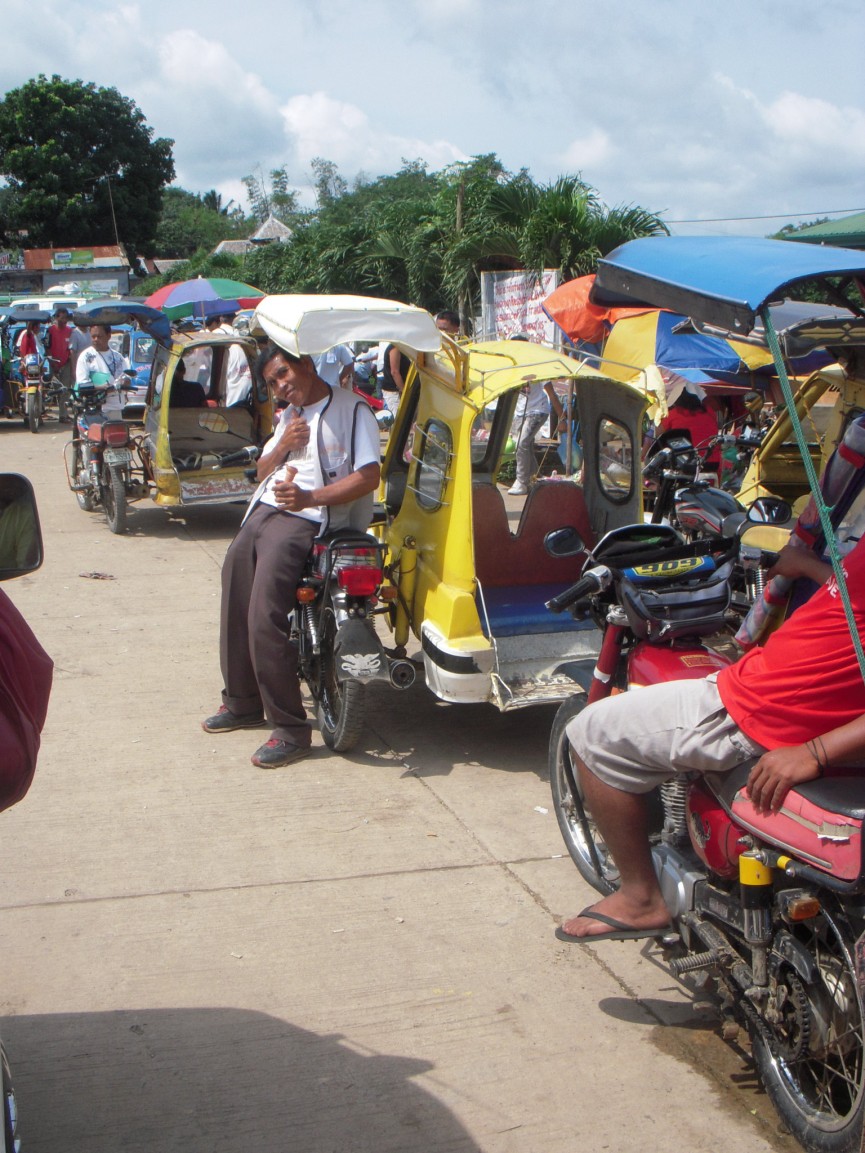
{"points": [[310, 324], [721, 280]]}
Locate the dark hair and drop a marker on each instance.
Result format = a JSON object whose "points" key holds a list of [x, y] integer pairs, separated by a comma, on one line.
{"points": [[449, 316], [267, 354], [106, 328], [689, 401]]}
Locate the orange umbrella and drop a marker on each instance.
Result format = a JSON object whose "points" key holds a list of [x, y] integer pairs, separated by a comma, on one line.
{"points": [[570, 308]]}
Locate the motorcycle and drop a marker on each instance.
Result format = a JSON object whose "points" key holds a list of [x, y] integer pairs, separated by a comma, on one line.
{"points": [[37, 389], [765, 909], [699, 510], [341, 590], [100, 459]]}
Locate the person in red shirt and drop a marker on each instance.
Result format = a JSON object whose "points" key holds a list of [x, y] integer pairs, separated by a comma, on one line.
{"points": [[30, 341], [791, 709], [57, 347], [689, 413]]}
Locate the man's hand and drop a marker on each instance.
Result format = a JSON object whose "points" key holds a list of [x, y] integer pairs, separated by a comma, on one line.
{"points": [[775, 774], [794, 562], [295, 435], [289, 496]]}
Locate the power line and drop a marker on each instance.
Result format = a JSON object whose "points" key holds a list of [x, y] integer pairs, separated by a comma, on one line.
{"points": [[775, 216]]}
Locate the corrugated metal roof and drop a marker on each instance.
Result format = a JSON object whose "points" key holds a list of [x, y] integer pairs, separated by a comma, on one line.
{"points": [[848, 232]]}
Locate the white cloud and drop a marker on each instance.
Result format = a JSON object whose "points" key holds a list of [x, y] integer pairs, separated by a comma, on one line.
{"points": [[594, 150], [318, 125]]}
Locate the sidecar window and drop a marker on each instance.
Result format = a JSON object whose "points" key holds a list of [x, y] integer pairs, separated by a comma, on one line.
{"points": [[615, 460], [158, 385], [434, 455]]}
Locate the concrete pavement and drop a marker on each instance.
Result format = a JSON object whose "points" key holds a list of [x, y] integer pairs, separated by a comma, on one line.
{"points": [[353, 953]]}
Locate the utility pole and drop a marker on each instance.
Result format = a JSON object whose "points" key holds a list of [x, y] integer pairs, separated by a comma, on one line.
{"points": [[111, 202]]}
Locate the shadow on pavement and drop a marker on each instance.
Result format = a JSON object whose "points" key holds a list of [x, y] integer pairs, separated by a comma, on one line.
{"points": [[207, 1080]]}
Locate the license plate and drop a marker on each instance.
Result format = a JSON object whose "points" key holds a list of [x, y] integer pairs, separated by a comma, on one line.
{"points": [[117, 456]]}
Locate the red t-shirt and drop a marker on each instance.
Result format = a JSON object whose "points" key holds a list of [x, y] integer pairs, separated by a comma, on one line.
{"points": [[805, 681], [701, 425], [57, 343], [27, 345]]}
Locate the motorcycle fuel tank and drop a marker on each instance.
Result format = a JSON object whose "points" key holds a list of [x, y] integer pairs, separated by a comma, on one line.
{"points": [[650, 664]]}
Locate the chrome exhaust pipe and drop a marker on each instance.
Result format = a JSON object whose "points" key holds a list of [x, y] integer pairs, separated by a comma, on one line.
{"points": [[402, 674]]}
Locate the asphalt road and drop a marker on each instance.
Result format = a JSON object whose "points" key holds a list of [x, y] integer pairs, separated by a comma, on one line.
{"points": [[348, 954]]}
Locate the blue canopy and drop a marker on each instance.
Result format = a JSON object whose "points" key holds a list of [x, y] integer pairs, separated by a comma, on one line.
{"points": [[113, 312], [720, 280]]}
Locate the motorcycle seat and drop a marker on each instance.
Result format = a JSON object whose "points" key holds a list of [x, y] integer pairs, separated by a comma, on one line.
{"points": [[842, 793]]}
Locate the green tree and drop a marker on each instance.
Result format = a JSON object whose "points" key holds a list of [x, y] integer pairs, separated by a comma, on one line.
{"points": [[81, 165], [278, 198], [188, 223]]}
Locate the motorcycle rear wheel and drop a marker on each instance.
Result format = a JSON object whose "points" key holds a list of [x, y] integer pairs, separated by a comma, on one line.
{"points": [[34, 411], [580, 833], [114, 498], [340, 704], [821, 1096]]}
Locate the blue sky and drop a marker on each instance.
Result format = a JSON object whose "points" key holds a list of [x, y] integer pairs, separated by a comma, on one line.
{"points": [[691, 110]]}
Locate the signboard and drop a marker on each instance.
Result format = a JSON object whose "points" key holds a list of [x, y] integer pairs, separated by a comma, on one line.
{"points": [[511, 302], [11, 258], [72, 258]]}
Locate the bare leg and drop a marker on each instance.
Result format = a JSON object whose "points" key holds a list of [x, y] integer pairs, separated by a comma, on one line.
{"points": [[622, 819]]}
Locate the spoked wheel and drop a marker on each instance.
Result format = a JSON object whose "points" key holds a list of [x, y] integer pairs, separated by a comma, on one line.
{"points": [[580, 832], [34, 411], [83, 496], [114, 498], [340, 704], [813, 1062]]}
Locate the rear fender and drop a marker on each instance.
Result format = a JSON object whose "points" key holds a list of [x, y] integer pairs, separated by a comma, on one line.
{"points": [[358, 653]]}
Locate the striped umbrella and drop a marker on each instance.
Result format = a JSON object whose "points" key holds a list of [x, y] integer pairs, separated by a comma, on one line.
{"points": [[179, 299]]}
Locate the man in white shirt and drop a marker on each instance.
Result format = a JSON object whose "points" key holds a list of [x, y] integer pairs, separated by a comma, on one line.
{"points": [[101, 366], [318, 471]]}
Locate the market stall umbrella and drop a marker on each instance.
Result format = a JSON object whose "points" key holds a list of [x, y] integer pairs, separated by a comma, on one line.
{"points": [[178, 300], [671, 342]]}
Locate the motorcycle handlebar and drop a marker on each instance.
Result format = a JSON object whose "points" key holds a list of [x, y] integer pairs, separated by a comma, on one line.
{"points": [[590, 582], [250, 452]]}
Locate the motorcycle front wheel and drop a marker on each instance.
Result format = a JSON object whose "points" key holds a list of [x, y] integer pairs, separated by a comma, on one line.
{"points": [[580, 833], [813, 1063], [34, 411], [340, 704], [114, 498], [83, 496]]}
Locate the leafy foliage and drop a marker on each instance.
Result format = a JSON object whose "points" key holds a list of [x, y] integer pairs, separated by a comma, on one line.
{"points": [[77, 159], [189, 223]]}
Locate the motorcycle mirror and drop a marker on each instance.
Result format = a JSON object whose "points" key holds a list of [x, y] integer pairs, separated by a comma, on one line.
{"points": [[20, 534], [770, 510], [564, 542], [213, 422]]}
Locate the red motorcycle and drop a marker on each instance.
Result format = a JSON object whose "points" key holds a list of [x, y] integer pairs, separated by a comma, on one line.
{"points": [[766, 909]]}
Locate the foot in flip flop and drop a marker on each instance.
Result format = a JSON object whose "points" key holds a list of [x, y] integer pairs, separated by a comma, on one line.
{"points": [[617, 931]]}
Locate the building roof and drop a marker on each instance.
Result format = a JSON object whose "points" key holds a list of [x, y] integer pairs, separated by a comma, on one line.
{"points": [[848, 232], [272, 229], [234, 247], [94, 256]]}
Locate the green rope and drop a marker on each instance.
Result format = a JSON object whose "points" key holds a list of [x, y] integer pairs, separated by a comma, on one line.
{"points": [[823, 509]]}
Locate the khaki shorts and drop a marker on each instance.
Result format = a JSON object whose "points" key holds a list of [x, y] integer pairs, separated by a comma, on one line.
{"points": [[637, 740]]}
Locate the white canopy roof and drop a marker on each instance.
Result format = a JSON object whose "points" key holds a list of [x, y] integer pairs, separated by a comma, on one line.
{"points": [[312, 324]]}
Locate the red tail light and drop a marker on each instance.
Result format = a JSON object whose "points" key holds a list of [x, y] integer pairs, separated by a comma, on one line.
{"points": [[115, 434], [359, 581]]}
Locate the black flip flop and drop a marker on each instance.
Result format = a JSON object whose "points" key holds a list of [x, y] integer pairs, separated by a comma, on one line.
{"points": [[618, 930]]}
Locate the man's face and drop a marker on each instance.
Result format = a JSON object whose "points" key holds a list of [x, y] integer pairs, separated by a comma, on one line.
{"points": [[448, 326], [62, 317], [99, 337], [291, 380]]}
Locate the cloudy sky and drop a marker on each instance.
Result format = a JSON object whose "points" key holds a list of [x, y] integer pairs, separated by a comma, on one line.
{"points": [[753, 108]]}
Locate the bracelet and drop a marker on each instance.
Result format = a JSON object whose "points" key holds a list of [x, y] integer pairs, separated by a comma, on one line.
{"points": [[812, 749]]}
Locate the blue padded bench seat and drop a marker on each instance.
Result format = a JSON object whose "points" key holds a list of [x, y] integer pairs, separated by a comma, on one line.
{"points": [[519, 610]]}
